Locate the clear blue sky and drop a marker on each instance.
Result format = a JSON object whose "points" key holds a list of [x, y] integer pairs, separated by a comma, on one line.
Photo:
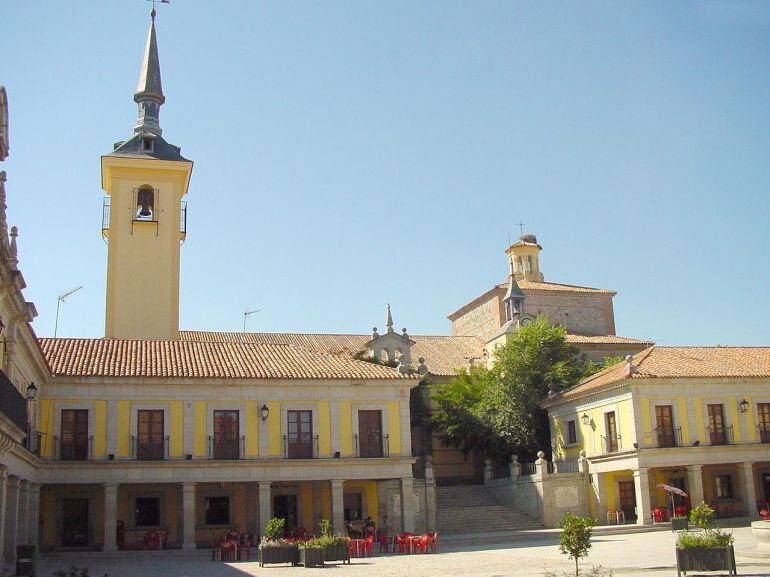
{"points": [[349, 154]]}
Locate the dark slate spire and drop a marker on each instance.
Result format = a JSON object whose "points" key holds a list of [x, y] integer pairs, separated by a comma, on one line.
{"points": [[513, 300], [149, 92]]}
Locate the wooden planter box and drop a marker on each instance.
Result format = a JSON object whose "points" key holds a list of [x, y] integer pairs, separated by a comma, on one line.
{"points": [[337, 553], [311, 557], [706, 559], [679, 524], [283, 554]]}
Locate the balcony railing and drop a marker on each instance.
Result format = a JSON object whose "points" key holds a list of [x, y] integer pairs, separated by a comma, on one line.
{"points": [[12, 403], [611, 443], [32, 443], [720, 435], [669, 437], [73, 448], [145, 451], [372, 448], [227, 448], [764, 432], [300, 447]]}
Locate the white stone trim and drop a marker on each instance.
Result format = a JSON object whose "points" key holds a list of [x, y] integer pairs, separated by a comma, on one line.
{"points": [[133, 429], [66, 405], [314, 419]]}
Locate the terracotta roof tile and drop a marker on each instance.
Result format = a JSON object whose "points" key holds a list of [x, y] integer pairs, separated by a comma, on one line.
{"points": [[199, 360], [529, 285], [682, 363]]}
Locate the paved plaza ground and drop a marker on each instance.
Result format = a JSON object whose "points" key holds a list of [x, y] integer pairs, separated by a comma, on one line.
{"points": [[648, 553]]}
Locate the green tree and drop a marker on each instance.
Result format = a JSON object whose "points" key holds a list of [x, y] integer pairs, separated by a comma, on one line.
{"points": [[593, 367], [497, 410], [575, 537]]}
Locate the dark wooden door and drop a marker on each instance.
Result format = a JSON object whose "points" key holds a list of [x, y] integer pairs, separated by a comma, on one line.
{"points": [[226, 428], [74, 523], [74, 435], [664, 421], [150, 437], [716, 425], [763, 421], [300, 437], [370, 433], [285, 507], [766, 485], [612, 432], [627, 496]]}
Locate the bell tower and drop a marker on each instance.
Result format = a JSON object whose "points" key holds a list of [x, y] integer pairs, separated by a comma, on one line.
{"points": [[144, 218], [525, 255]]}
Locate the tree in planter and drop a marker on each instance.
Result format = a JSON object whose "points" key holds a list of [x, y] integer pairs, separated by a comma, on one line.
{"points": [[274, 529], [497, 410], [575, 537]]}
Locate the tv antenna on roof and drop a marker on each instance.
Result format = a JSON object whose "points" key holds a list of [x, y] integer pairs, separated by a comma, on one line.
{"points": [[246, 315], [62, 298]]}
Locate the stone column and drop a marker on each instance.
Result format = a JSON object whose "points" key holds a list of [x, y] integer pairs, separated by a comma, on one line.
{"points": [[430, 493], [407, 504], [11, 518], [265, 505], [188, 516], [695, 484], [599, 496], [338, 506], [642, 486], [748, 489], [110, 516], [21, 530], [3, 495], [33, 523]]}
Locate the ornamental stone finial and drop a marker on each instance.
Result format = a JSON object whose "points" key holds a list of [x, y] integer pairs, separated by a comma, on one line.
{"points": [[13, 251]]}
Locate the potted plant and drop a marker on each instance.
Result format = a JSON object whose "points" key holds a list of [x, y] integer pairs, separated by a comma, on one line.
{"points": [[311, 553], [273, 548], [709, 550], [575, 537], [679, 523], [335, 547]]}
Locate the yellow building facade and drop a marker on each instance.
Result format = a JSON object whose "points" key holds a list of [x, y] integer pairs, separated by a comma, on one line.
{"points": [[697, 418]]}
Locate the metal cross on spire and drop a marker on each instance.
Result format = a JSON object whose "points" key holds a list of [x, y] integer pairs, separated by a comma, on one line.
{"points": [[521, 226], [152, 13]]}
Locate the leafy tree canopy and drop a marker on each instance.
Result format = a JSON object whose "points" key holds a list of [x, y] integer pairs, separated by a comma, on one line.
{"points": [[497, 410]]}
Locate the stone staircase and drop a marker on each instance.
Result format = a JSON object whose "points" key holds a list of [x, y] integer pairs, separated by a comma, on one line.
{"points": [[474, 509]]}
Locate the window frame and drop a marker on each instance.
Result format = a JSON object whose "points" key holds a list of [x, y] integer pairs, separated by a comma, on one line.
{"points": [[159, 512], [346, 509], [572, 434], [207, 510], [723, 487]]}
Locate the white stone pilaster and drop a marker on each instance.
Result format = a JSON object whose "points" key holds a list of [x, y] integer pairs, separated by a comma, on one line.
{"points": [[430, 494], [265, 505], [3, 495], [407, 504], [642, 487], [11, 519], [110, 516], [188, 516], [21, 525], [338, 507], [33, 523]]}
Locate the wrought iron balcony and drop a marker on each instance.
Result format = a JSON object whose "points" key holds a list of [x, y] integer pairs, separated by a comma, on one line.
{"points": [[300, 447], [764, 432], [227, 448], [720, 435], [669, 437], [73, 448], [371, 446], [12, 403], [611, 443], [143, 450]]}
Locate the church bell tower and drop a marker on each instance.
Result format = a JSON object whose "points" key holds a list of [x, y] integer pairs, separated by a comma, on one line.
{"points": [[144, 218]]}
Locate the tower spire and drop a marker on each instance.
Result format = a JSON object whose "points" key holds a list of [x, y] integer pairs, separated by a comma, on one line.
{"points": [[149, 91]]}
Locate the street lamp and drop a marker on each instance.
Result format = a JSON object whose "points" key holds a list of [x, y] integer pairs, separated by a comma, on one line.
{"points": [[586, 419], [31, 391]]}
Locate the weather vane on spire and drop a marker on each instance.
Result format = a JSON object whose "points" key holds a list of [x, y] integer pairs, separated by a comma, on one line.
{"points": [[152, 13]]}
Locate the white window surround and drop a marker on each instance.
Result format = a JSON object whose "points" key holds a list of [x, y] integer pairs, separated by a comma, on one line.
{"points": [[211, 407], [134, 422], [63, 406], [385, 420], [314, 419], [565, 432], [204, 492]]}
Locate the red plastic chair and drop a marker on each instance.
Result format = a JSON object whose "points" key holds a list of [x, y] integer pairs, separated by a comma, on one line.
{"points": [[368, 542], [659, 515], [151, 541], [401, 542], [421, 543], [244, 546], [432, 541], [299, 534], [383, 540]]}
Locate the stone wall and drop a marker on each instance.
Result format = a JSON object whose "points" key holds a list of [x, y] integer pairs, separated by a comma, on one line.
{"points": [[480, 320], [586, 314]]}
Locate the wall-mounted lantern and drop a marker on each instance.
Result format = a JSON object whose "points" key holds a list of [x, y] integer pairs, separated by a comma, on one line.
{"points": [[264, 412], [744, 405], [31, 391], [585, 419]]}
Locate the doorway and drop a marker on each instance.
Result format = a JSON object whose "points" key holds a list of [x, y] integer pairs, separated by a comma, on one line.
{"points": [[627, 496], [766, 485], [370, 433], [285, 507], [74, 523]]}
